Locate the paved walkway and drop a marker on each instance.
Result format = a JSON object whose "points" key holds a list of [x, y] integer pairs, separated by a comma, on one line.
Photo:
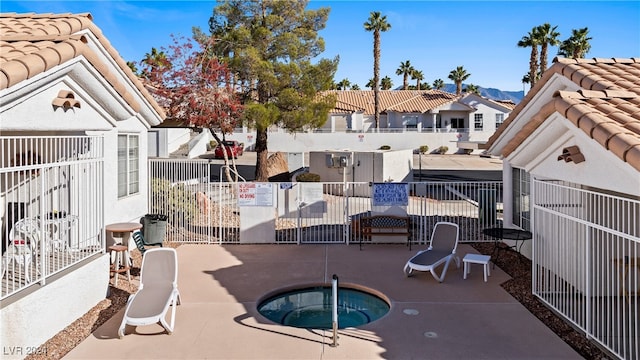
{"points": [[221, 286]]}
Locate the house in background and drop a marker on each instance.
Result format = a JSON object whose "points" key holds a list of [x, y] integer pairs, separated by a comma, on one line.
{"points": [[412, 118], [409, 119], [416, 110], [571, 158], [73, 157]]}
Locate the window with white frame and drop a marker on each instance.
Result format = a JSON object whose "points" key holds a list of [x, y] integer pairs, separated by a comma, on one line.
{"points": [[477, 121], [128, 165], [521, 198], [499, 120]]}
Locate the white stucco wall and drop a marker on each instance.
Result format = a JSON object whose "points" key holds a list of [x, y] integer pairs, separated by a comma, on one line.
{"points": [[540, 151], [365, 166], [305, 142], [132, 207], [32, 320]]}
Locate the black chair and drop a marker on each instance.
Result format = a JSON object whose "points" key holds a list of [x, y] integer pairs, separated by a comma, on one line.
{"points": [[140, 244]]}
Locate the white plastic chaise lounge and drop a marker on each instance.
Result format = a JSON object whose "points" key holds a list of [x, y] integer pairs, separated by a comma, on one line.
{"points": [[441, 250], [158, 290]]}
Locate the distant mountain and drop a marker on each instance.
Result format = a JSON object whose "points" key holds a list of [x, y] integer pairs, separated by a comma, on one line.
{"points": [[491, 93]]}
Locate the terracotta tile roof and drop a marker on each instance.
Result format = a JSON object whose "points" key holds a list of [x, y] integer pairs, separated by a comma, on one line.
{"points": [[31, 44], [505, 103], [606, 108], [414, 101]]}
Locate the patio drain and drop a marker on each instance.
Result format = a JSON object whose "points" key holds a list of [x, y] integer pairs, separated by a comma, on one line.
{"points": [[411, 311], [430, 334]]}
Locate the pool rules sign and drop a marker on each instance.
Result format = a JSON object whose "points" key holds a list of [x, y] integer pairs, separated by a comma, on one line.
{"points": [[390, 194], [255, 194]]}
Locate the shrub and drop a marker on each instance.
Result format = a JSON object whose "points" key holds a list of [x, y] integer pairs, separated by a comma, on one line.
{"points": [[176, 201], [423, 149], [443, 149], [385, 147], [308, 177]]}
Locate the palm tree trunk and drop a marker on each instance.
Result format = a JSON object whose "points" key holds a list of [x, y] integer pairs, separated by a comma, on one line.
{"points": [[376, 77], [543, 57], [533, 65]]}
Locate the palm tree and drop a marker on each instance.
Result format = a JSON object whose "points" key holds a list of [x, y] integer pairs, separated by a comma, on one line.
{"points": [[417, 75], [458, 76], [405, 70], [425, 86], [438, 84], [154, 60], [133, 67], [370, 84], [343, 84], [355, 87], [525, 80], [386, 83], [471, 88], [531, 40], [548, 36], [376, 23], [576, 46]]}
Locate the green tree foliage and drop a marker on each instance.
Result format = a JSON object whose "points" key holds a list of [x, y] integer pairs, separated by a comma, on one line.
{"points": [[344, 84], [134, 68], [471, 88], [355, 87], [405, 69], [154, 61], [525, 80], [458, 75], [438, 84], [370, 84], [548, 36], [376, 23], [269, 47], [576, 46], [532, 40], [418, 76], [386, 83]]}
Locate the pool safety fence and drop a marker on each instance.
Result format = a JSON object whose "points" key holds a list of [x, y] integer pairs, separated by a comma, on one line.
{"points": [[203, 210]]}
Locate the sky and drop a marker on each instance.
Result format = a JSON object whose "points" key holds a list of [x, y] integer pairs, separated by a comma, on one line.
{"points": [[435, 36]]}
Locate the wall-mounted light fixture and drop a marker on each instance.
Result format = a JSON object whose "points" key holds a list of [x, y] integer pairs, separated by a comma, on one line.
{"points": [[66, 100], [571, 153]]}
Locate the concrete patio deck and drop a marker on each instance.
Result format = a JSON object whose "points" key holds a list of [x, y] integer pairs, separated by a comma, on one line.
{"points": [[221, 285]]}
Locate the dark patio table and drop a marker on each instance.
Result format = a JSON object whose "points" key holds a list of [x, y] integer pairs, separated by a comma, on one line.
{"points": [[500, 233]]}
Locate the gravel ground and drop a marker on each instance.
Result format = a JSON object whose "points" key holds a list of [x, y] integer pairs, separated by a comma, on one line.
{"points": [[519, 287]]}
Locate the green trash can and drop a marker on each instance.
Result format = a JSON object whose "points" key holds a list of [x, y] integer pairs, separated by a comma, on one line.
{"points": [[154, 228]]}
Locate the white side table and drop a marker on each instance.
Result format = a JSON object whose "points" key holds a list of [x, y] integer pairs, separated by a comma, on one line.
{"points": [[477, 259]]}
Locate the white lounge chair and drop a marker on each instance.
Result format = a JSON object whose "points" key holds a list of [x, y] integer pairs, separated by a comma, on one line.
{"points": [[158, 290], [442, 249]]}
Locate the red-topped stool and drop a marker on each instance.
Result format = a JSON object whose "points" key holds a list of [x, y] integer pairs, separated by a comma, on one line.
{"points": [[120, 261]]}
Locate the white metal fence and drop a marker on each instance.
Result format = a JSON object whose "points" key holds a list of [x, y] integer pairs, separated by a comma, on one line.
{"points": [[200, 210], [586, 259], [51, 206]]}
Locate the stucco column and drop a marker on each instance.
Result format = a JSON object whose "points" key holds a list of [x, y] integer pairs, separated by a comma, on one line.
{"points": [[507, 194]]}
